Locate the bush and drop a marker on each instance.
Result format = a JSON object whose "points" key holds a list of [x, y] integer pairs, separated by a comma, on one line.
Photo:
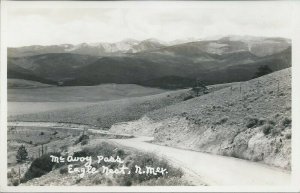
{"points": [[261, 121], [81, 138], [42, 133], [286, 122], [15, 182], [275, 131], [63, 170], [267, 129], [22, 154], [271, 122], [121, 153], [84, 142], [222, 121], [40, 166], [252, 122], [288, 136]]}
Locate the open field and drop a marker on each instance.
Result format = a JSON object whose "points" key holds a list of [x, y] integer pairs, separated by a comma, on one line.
{"points": [[20, 108], [36, 99], [106, 113], [80, 93], [102, 114]]}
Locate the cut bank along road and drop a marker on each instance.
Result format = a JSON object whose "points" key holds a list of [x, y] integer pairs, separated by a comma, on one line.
{"points": [[200, 168], [212, 169]]}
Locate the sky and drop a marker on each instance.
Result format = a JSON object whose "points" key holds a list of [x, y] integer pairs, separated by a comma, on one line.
{"points": [[114, 21]]}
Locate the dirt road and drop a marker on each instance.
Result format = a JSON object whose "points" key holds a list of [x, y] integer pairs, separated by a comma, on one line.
{"points": [[200, 168], [212, 169]]}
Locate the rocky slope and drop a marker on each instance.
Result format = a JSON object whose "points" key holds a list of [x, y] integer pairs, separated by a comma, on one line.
{"points": [[249, 120]]}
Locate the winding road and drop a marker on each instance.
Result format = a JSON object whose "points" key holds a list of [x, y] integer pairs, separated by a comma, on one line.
{"points": [[212, 169], [200, 168]]}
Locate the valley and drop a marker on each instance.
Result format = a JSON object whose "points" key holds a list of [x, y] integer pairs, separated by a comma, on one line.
{"points": [[199, 108]]}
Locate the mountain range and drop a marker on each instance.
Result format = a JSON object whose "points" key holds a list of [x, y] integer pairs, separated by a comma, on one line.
{"points": [[150, 62]]}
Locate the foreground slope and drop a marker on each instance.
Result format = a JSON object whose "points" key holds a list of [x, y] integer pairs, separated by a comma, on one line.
{"points": [[251, 120]]}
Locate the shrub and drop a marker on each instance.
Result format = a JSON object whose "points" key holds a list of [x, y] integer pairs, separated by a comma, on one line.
{"points": [[42, 133], [84, 142], [121, 153], [222, 121], [261, 121], [99, 180], [288, 136], [63, 170], [40, 166], [81, 138], [286, 122], [267, 129], [15, 182], [275, 131], [78, 180], [22, 154], [271, 122], [252, 122]]}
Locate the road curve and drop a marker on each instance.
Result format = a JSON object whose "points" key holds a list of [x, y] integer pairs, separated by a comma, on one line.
{"points": [[213, 169], [200, 168]]}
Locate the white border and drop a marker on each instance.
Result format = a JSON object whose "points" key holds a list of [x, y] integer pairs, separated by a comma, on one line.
{"points": [[295, 185]]}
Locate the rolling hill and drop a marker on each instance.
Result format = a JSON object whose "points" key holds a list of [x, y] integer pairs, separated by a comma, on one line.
{"points": [[249, 120], [150, 63]]}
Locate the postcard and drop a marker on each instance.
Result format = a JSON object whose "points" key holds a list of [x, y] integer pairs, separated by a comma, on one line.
{"points": [[150, 96]]}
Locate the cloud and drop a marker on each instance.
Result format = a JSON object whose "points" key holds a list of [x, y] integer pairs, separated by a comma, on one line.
{"points": [[165, 21]]}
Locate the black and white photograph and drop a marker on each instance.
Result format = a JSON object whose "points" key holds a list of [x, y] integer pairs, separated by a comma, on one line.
{"points": [[147, 95]]}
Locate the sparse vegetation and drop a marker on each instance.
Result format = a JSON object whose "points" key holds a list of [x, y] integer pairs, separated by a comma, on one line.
{"points": [[40, 166], [286, 122], [252, 122], [288, 136], [63, 170], [222, 121], [267, 129], [22, 154], [83, 139]]}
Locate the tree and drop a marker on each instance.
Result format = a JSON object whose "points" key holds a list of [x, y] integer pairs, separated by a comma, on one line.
{"points": [[22, 154], [263, 70]]}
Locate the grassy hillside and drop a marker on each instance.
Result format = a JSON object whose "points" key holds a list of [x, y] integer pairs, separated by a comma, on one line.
{"points": [[252, 123], [102, 114], [249, 120], [80, 93], [21, 83], [106, 113]]}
